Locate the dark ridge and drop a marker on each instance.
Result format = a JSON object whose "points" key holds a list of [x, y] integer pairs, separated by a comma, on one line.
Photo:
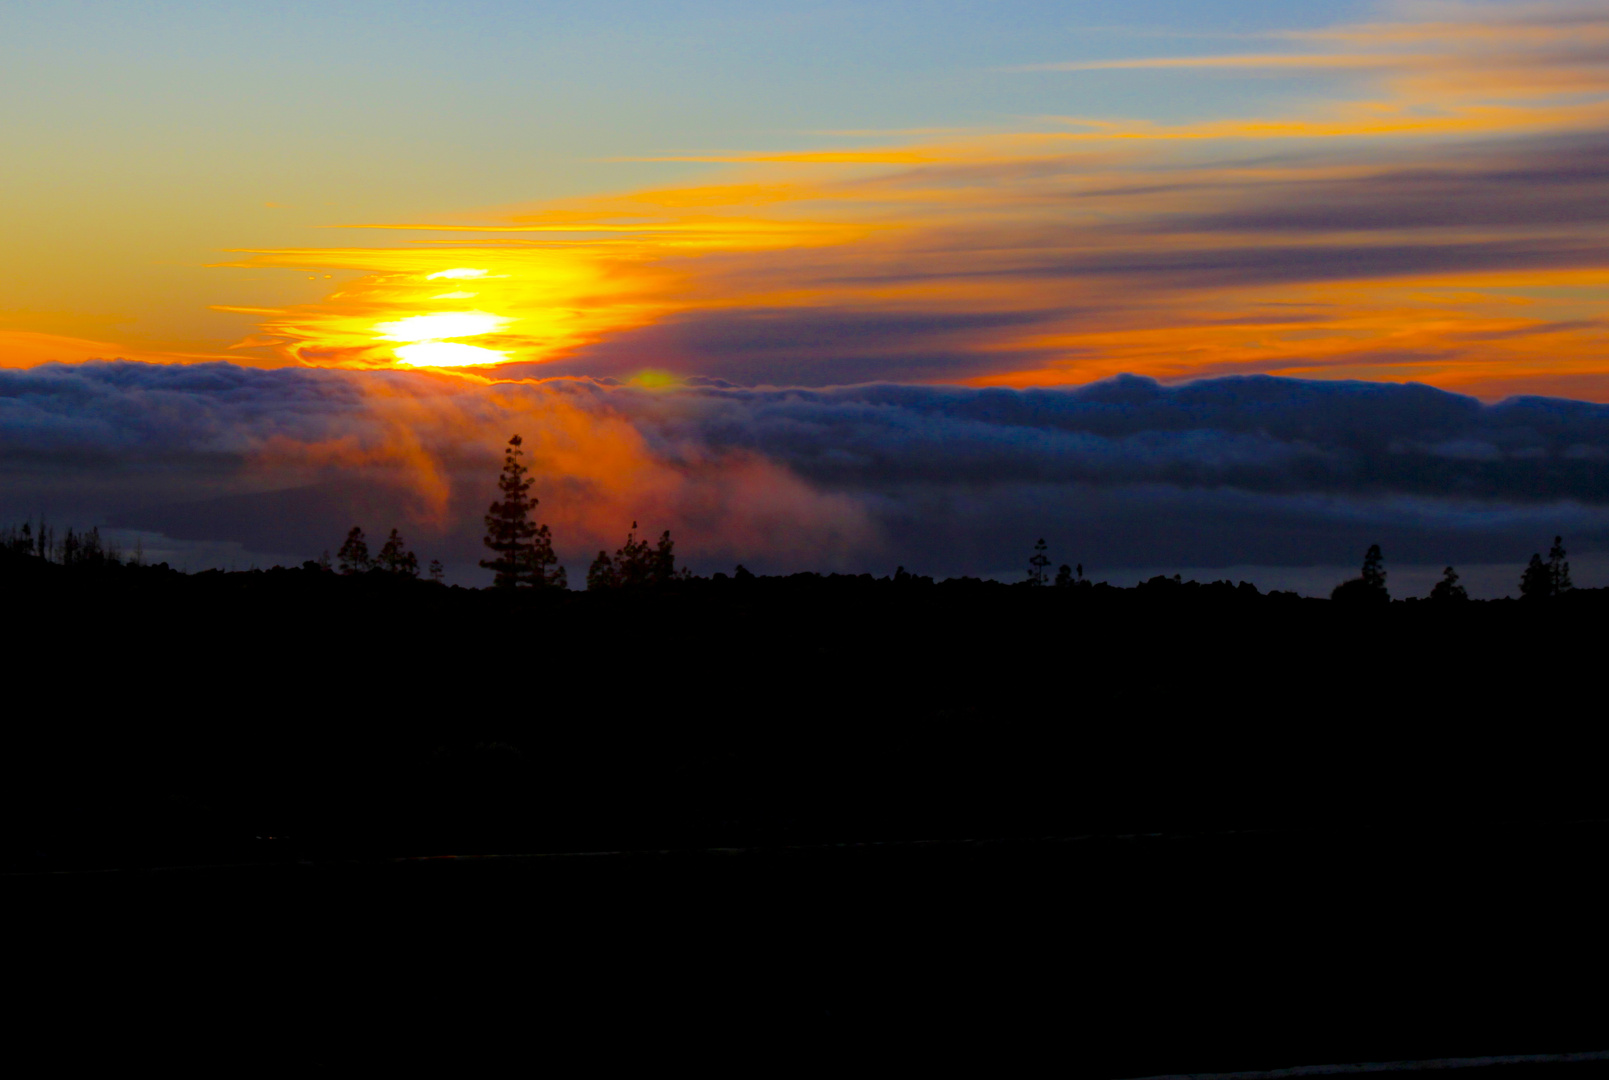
{"points": [[1178, 828]]}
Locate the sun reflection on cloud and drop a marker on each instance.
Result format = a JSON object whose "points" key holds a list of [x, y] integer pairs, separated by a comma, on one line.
{"points": [[444, 354], [457, 272]]}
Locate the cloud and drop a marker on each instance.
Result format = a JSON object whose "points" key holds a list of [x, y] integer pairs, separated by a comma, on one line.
{"points": [[1438, 262], [1546, 182], [268, 457], [948, 479], [811, 346]]}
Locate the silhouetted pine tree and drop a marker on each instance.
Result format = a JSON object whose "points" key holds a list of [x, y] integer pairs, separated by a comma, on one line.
{"points": [[1037, 564], [542, 564], [1558, 569], [523, 551], [395, 558], [436, 571], [636, 563], [664, 566], [602, 573], [1448, 588], [1536, 583], [1374, 568], [1370, 585], [354, 553], [1070, 576], [45, 540], [633, 560], [19, 540]]}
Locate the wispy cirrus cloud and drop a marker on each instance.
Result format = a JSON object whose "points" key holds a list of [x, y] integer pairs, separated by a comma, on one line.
{"points": [[1303, 61]]}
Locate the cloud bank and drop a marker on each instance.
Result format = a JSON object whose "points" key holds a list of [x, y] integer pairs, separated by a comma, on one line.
{"points": [[944, 479]]}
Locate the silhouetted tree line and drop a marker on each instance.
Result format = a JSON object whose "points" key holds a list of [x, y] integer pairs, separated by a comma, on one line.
{"points": [[637, 563], [523, 557], [394, 558], [69, 549], [1542, 580]]}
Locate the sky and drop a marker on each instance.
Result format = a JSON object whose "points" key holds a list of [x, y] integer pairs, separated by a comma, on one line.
{"points": [[740, 269]]}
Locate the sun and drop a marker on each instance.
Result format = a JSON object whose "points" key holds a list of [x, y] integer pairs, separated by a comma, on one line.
{"points": [[447, 354], [425, 338]]}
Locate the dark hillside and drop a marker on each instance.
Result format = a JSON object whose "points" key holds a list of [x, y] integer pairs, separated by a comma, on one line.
{"points": [[961, 824], [176, 717]]}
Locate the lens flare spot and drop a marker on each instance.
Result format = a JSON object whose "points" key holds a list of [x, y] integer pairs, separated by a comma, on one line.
{"points": [[654, 380], [447, 354], [451, 324]]}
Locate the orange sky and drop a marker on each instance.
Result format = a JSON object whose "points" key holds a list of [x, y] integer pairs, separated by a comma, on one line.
{"points": [[1435, 216]]}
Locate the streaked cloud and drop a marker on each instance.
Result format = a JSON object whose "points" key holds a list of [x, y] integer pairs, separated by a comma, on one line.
{"points": [[1434, 214], [1442, 220], [1302, 61]]}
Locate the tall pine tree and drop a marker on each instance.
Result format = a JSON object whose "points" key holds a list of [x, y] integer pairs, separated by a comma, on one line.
{"points": [[354, 553], [1370, 585], [395, 558], [522, 551], [1536, 583], [1037, 564], [1448, 588], [1558, 569]]}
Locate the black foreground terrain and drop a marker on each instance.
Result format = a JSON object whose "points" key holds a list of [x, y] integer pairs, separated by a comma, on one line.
{"points": [[1126, 831]]}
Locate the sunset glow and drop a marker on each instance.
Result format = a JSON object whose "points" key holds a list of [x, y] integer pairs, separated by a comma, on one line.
{"points": [[725, 270], [1054, 255], [1378, 230], [1012, 391]]}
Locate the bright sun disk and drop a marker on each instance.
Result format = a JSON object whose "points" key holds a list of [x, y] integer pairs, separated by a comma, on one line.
{"points": [[446, 354], [447, 324]]}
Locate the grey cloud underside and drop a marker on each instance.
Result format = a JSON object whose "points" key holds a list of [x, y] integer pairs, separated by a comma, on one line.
{"points": [[1257, 433], [1120, 473], [1210, 267], [1530, 203], [823, 346], [1523, 184], [1098, 255], [114, 409]]}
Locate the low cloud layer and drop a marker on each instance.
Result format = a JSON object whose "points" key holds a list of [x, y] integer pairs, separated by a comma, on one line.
{"points": [[945, 480]]}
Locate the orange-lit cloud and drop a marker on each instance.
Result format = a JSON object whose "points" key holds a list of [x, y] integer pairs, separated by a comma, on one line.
{"points": [[593, 455]]}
